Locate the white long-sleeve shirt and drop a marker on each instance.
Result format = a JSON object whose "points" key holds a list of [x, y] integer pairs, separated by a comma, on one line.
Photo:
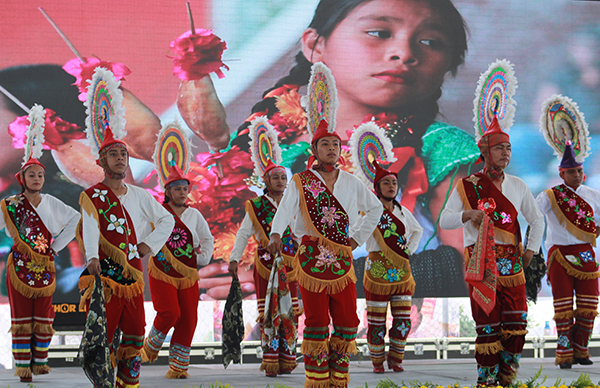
{"points": [[60, 220], [413, 231], [193, 219], [144, 211], [352, 194], [246, 231], [517, 193], [557, 234]]}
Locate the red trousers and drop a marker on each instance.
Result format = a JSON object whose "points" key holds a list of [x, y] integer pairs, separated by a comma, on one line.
{"points": [[178, 309], [327, 360], [573, 327], [277, 358], [31, 326], [500, 335], [376, 316]]}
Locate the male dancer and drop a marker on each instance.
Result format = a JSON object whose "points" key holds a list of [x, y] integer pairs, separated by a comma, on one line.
{"points": [[326, 202], [486, 205], [572, 210], [113, 213]]}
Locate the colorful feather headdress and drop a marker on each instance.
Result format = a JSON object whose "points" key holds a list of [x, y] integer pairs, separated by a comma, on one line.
{"points": [[321, 102], [34, 145], [264, 146], [173, 149], [369, 143]]}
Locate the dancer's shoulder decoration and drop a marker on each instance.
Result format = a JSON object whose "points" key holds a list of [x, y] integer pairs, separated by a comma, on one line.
{"points": [[264, 146], [562, 124], [369, 143], [494, 97], [172, 154], [104, 108], [34, 144], [321, 102]]}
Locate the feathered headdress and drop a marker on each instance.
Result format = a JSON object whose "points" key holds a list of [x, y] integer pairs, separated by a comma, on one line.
{"points": [[264, 146], [368, 144], [34, 144], [321, 101], [494, 98], [105, 111], [565, 130], [172, 154]]}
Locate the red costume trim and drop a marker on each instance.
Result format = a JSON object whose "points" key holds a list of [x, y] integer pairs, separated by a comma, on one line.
{"points": [[573, 213]]}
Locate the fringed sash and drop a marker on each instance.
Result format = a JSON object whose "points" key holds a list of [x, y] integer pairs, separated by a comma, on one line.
{"points": [[121, 267], [578, 260], [388, 272], [325, 255], [30, 264], [573, 213], [261, 212], [481, 272], [175, 264]]}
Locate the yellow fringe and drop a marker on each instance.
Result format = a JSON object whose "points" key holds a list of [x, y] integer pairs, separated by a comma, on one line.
{"points": [[563, 360], [23, 372], [344, 250], [513, 333], [147, 354], [171, 374], [178, 283], [568, 225], [284, 365], [24, 248], [265, 272], [489, 348], [127, 352], [342, 346], [579, 354], [569, 268], [43, 328], [585, 313], [338, 382], [40, 369], [269, 367], [22, 288], [315, 384], [110, 288], [563, 316], [398, 260], [330, 286], [312, 347], [388, 288], [21, 328], [512, 280]]}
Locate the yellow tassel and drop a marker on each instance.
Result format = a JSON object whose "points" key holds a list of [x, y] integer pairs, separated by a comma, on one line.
{"points": [[580, 354], [585, 313], [23, 372], [489, 348], [178, 283], [342, 346], [513, 333], [563, 359], [22, 288], [171, 374], [110, 288], [330, 286], [316, 384], [582, 235], [312, 347], [269, 367], [40, 369], [21, 328], [43, 328], [567, 315], [512, 280], [127, 352], [147, 354], [569, 268], [285, 365]]}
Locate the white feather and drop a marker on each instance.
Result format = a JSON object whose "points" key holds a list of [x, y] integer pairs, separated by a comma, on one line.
{"points": [[34, 144], [355, 152], [507, 120], [161, 134], [547, 127], [117, 118], [272, 134], [316, 68]]}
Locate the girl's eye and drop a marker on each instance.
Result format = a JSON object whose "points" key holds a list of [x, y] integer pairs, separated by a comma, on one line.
{"points": [[381, 34], [433, 43]]}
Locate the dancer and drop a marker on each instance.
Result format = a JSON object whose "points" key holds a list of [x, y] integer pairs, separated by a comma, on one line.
{"points": [[40, 226], [173, 271], [571, 211], [278, 357], [387, 273], [326, 202], [113, 214]]}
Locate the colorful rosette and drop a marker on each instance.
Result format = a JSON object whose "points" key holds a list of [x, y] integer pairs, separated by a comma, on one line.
{"points": [[104, 105], [494, 95], [264, 145], [369, 142], [562, 121], [321, 101], [198, 54], [173, 148], [34, 144]]}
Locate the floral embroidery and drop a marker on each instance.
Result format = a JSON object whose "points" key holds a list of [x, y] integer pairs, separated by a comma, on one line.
{"points": [[524, 316], [473, 179], [20, 263], [315, 188], [487, 205], [563, 341], [116, 224], [404, 327], [133, 252], [177, 239], [266, 256], [574, 260], [35, 268], [31, 282], [587, 257], [377, 269], [320, 358], [487, 329], [580, 213], [45, 282], [505, 218], [275, 344], [572, 202], [368, 263], [100, 194], [40, 244], [385, 221], [15, 200], [504, 266], [134, 365], [329, 216], [327, 258]]}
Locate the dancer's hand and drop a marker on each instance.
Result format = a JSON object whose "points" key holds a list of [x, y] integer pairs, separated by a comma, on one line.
{"points": [[233, 269], [275, 245], [353, 244], [527, 258], [93, 267], [475, 216], [143, 249]]}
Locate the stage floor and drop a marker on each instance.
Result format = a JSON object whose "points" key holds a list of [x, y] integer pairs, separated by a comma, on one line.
{"points": [[442, 372]]}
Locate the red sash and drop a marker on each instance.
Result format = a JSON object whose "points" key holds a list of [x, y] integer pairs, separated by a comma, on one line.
{"points": [[388, 272], [30, 264], [261, 212], [573, 213], [175, 264], [579, 260], [325, 255], [119, 259]]}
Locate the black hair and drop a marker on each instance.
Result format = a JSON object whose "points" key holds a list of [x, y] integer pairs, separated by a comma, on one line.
{"points": [[328, 15], [379, 195]]}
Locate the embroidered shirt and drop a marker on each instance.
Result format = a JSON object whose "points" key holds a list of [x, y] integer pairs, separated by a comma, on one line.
{"points": [[60, 220], [145, 213], [556, 234], [517, 193], [353, 195], [414, 231]]}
